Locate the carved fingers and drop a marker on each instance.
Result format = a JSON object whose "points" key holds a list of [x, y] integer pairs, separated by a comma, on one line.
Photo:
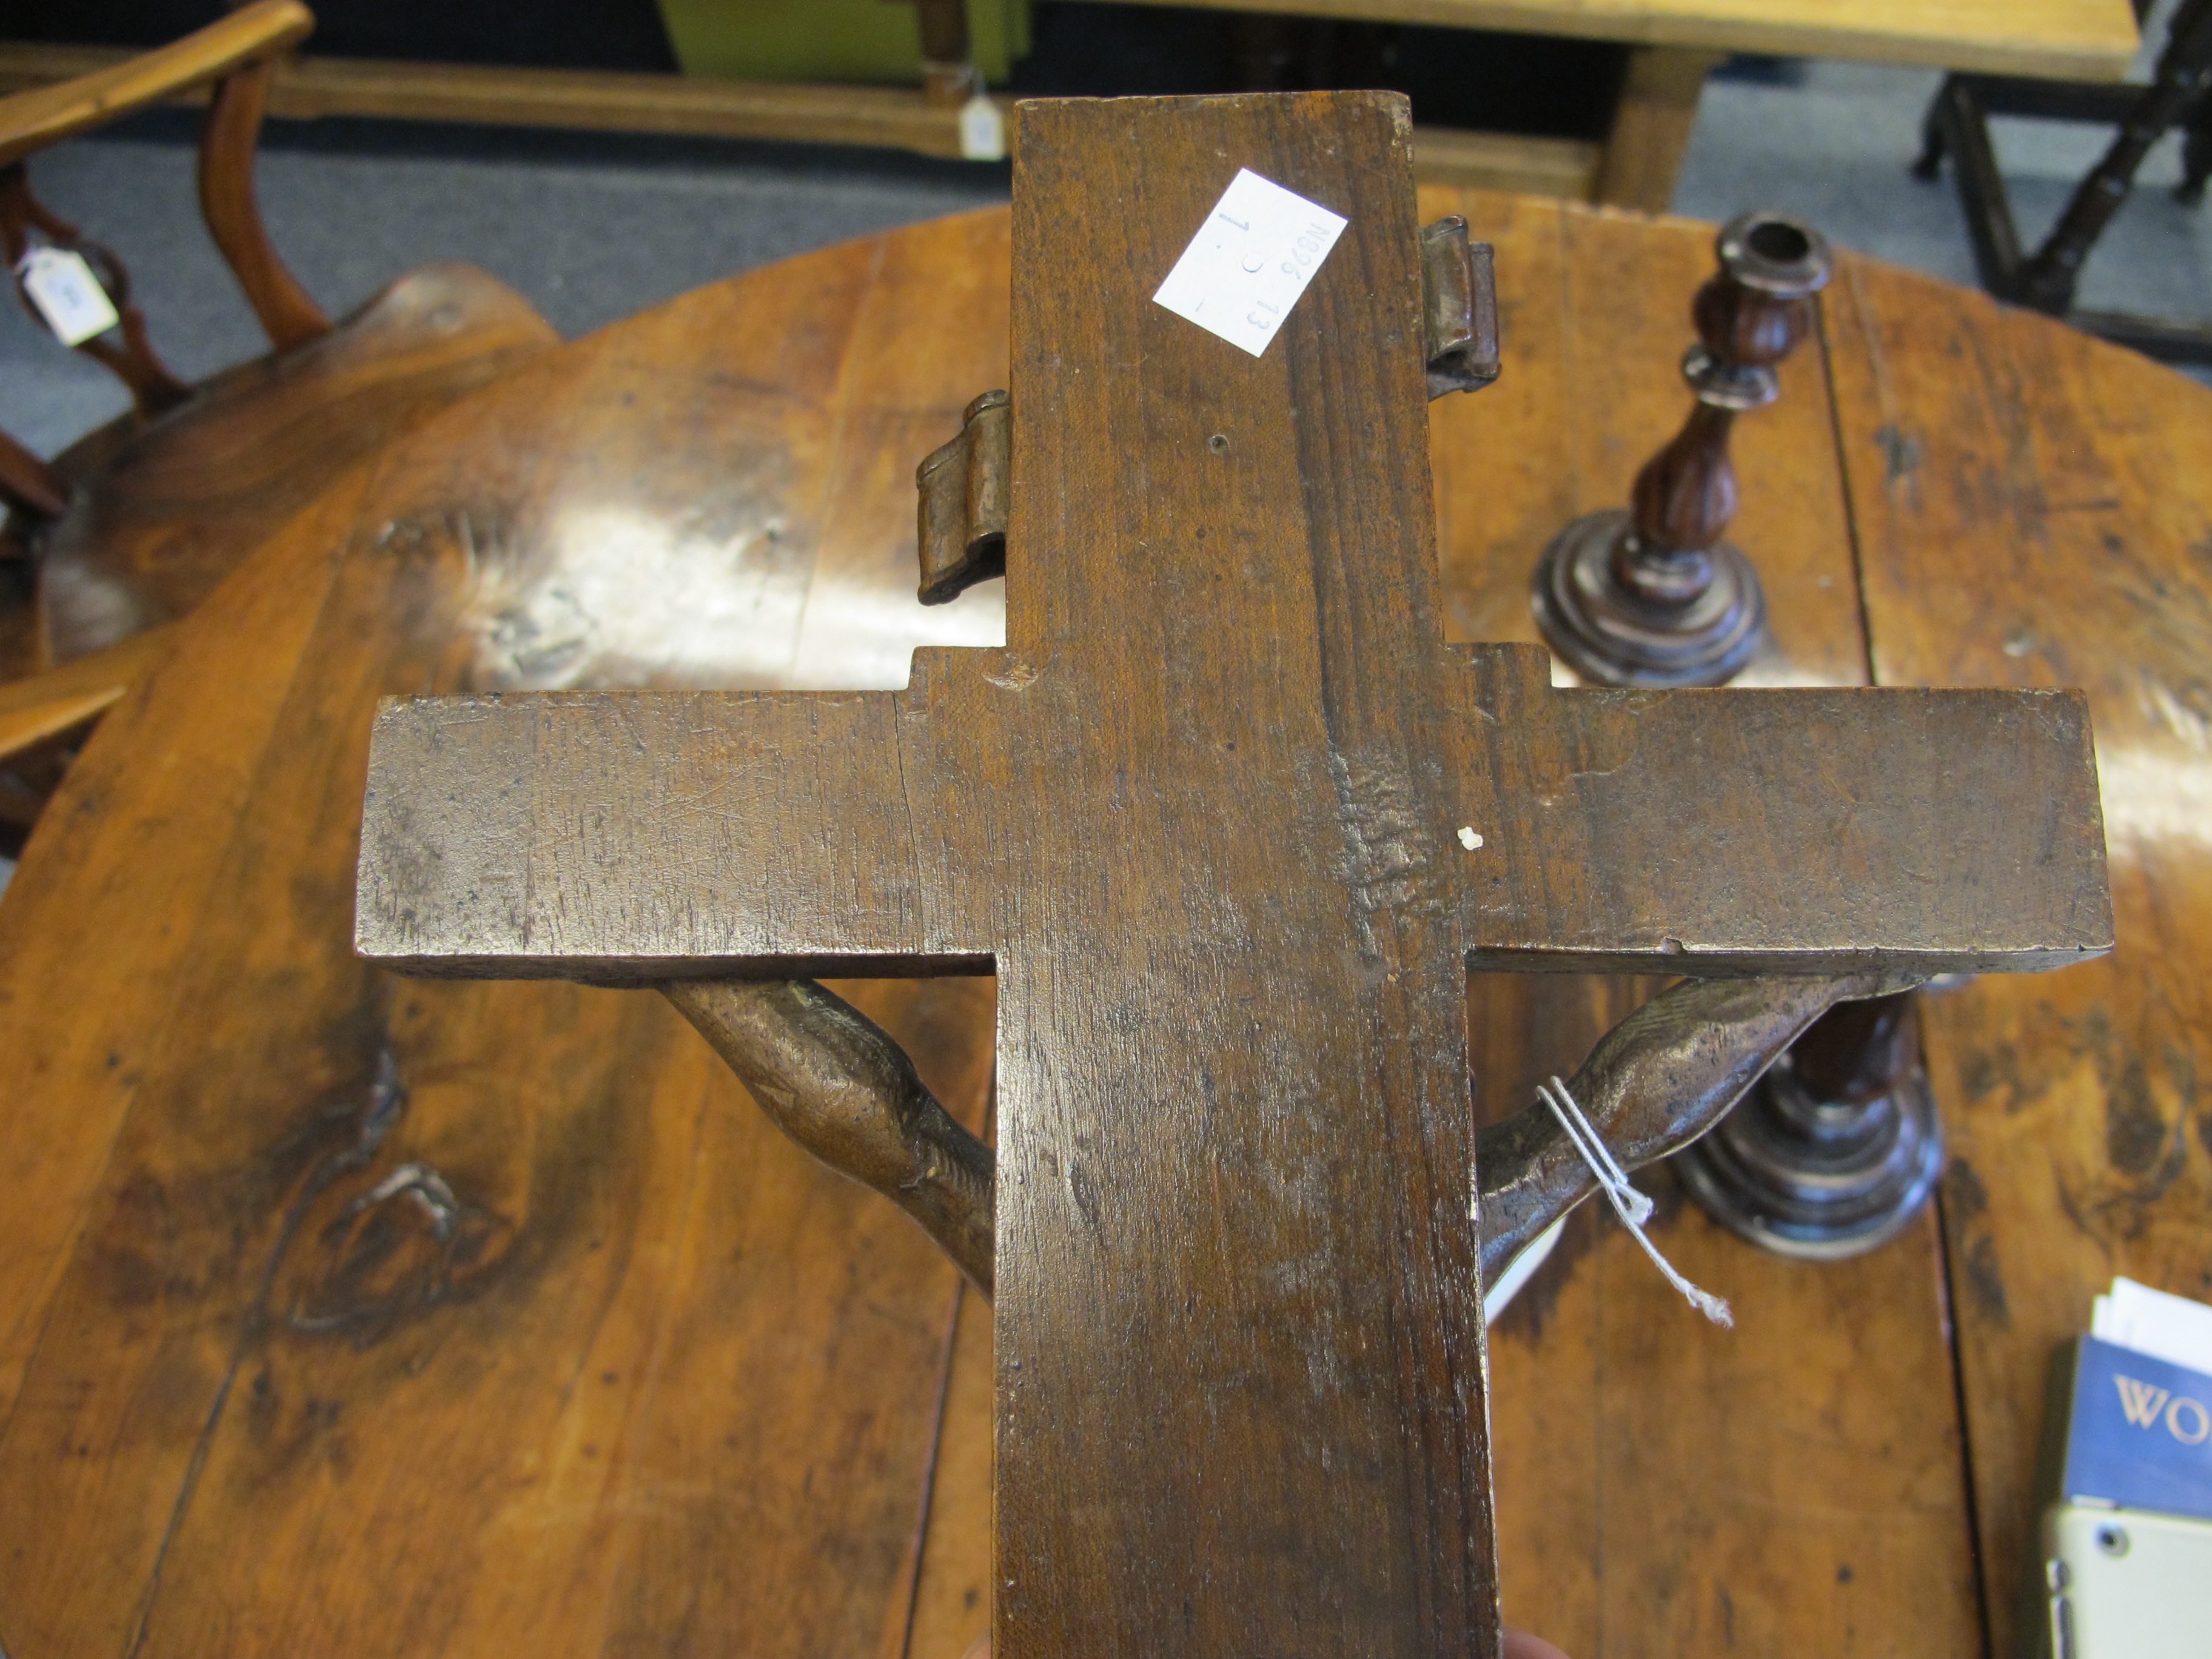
{"points": [[834, 1082]]}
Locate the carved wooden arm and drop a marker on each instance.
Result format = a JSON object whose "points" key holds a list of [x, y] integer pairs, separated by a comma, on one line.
{"points": [[31, 121], [1653, 1084], [45, 705], [836, 1083]]}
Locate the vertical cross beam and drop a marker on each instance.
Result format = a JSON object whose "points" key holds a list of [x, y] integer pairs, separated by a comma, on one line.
{"points": [[1240, 1338]]}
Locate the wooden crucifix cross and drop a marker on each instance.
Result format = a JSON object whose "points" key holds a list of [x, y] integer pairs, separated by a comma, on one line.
{"points": [[1229, 821]]}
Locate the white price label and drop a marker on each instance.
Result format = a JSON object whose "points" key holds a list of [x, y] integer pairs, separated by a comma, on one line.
{"points": [[982, 130], [68, 295], [1249, 262]]}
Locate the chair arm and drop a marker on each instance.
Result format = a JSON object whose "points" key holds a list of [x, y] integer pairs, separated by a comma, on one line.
{"points": [[48, 704], [31, 121]]}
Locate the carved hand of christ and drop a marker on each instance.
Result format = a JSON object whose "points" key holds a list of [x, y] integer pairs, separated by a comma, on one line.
{"points": [[1202, 817]]}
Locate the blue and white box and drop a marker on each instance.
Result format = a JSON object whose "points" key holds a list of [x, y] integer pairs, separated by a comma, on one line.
{"points": [[2139, 1433]]}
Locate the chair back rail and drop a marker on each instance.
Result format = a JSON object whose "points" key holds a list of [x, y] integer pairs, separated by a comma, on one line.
{"points": [[288, 315], [42, 117]]}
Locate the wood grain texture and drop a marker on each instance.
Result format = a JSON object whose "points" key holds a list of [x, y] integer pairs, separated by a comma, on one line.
{"points": [[2036, 509], [952, 1583], [1604, 334], [1368, 1385], [606, 833], [1283, 1422], [378, 1311], [32, 120], [614, 836], [1611, 1401]]}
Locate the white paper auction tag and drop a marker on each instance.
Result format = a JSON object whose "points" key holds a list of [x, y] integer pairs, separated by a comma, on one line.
{"points": [[982, 130], [1249, 262], [68, 295]]}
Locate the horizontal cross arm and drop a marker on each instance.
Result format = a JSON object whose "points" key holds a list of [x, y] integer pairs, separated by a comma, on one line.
{"points": [[630, 836], [1819, 831]]}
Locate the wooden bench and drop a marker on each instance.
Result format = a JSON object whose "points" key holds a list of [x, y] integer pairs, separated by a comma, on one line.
{"points": [[1673, 45]]}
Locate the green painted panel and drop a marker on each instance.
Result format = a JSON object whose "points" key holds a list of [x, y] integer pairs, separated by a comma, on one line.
{"points": [[866, 40]]}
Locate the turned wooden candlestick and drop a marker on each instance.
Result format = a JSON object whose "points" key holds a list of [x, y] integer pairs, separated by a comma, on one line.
{"points": [[1652, 596], [1837, 1148]]}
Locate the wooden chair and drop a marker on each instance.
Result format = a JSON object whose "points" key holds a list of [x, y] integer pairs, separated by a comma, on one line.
{"points": [[134, 524]]}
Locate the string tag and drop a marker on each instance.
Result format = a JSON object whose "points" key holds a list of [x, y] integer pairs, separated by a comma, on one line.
{"points": [[1633, 1208], [69, 296], [982, 130]]}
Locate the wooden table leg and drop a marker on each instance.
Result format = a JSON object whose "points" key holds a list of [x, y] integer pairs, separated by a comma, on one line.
{"points": [[1652, 125]]}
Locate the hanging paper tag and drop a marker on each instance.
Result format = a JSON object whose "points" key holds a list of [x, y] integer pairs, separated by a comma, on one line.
{"points": [[982, 130], [1249, 262], [68, 295]]}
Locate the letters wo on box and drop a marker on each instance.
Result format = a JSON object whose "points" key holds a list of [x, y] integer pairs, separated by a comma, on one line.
{"points": [[1229, 821]]}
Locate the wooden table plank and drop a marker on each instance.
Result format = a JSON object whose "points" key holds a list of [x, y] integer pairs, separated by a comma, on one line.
{"points": [[115, 1327], [2036, 509], [660, 1368], [953, 1591]]}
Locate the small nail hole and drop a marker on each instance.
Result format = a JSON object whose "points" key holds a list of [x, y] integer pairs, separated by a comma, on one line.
{"points": [[1217, 442]]}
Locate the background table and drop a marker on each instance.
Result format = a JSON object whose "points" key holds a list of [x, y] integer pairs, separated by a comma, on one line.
{"points": [[1675, 44], [1671, 46], [349, 1316]]}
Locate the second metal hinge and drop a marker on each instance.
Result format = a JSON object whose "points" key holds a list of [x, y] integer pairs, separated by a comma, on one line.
{"points": [[962, 524], [1459, 308]]}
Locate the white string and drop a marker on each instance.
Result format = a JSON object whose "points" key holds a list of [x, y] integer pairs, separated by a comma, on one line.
{"points": [[1633, 1208]]}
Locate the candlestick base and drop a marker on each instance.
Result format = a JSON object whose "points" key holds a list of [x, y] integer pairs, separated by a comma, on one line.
{"points": [[1612, 636], [1817, 1179]]}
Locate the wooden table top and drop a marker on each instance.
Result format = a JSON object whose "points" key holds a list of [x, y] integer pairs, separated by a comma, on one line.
{"points": [[345, 1315], [2082, 39]]}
